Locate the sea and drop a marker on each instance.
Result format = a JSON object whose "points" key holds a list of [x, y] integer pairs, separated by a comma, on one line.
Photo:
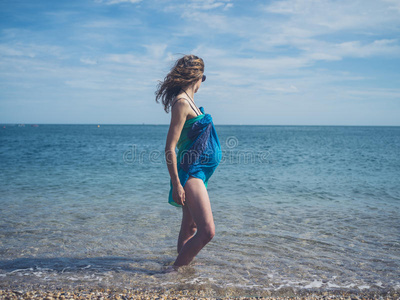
{"points": [[296, 209]]}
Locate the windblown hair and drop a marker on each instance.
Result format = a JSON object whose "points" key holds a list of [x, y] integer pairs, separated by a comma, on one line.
{"points": [[186, 71]]}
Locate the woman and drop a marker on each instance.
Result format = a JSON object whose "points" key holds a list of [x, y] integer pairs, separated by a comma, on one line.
{"points": [[193, 132]]}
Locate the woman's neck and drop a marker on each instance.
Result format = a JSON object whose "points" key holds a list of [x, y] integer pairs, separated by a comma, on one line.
{"points": [[189, 92]]}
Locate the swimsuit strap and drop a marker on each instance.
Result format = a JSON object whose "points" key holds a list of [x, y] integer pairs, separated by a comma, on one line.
{"points": [[189, 104], [190, 99]]}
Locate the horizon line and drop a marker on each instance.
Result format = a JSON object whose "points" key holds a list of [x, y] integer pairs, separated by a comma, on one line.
{"points": [[166, 124]]}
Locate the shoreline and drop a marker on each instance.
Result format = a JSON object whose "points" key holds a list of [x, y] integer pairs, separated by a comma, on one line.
{"points": [[120, 293]]}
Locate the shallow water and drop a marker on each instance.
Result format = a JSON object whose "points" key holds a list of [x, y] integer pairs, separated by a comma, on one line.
{"points": [[295, 207]]}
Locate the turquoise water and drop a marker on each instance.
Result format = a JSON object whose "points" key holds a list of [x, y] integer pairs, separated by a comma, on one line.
{"points": [[295, 208]]}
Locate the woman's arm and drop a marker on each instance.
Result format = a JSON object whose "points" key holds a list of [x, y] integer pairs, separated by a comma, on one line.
{"points": [[178, 117]]}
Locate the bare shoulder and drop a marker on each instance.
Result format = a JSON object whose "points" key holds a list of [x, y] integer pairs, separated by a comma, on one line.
{"points": [[179, 105], [180, 101], [180, 109]]}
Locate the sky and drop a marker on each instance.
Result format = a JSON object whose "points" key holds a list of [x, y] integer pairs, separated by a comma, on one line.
{"points": [[288, 62]]}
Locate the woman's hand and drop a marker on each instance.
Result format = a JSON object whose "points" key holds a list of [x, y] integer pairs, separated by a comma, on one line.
{"points": [[178, 194]]}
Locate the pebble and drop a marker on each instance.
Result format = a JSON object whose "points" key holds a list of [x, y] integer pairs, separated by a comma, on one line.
{"points": [[126, 294]]}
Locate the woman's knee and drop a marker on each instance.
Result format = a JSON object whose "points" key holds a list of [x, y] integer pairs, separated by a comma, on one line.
{"points": [[207, 232]]}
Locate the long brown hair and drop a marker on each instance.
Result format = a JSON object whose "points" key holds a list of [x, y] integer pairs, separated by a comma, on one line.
{"points": [[186, 71]]}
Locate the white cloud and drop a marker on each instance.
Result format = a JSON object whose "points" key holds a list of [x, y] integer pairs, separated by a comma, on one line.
{"points": [[305, 24], [156, 50], [111, 23], [307, 32], [199, 5], [376, 92], [7, 50], [227, 6], [326, 16], [270, 87], [129, 59], [109, 2], [378, 47], [207, 4], [88, 61], [154, 55], [32, 50], [394, 4], [320, 50], [323, 56]]}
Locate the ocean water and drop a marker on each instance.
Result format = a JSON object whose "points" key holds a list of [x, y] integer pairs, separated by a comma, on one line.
{"points": [[296, 208]]}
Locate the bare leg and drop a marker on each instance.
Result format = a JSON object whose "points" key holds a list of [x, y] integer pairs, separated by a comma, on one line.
{"points": [[199, 206], [188, 228]]}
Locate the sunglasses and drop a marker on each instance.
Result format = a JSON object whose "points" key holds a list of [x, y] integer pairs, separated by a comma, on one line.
{"points": [[204, 78]]}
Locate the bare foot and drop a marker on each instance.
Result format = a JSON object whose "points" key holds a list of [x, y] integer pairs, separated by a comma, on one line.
{"points": [[170, 269]]}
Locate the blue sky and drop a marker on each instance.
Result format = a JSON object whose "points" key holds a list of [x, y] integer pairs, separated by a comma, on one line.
{"points": [[289, 62]]}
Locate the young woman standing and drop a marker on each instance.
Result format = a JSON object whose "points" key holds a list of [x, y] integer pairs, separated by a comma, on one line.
{"points": [[193, 132]]}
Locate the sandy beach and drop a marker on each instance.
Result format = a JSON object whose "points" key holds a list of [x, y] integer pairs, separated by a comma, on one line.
{"points": [[108, 293]]}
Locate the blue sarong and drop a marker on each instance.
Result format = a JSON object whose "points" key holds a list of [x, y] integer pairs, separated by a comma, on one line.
{"points": [[199, 151]]}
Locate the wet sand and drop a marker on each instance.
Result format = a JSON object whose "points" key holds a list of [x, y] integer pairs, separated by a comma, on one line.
{"points": [[175, 294]]}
